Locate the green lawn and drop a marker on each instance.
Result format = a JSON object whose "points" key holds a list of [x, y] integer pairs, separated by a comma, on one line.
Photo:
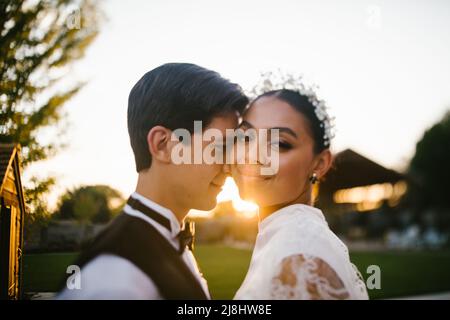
{"points": [[223, 267], [402, 273]]}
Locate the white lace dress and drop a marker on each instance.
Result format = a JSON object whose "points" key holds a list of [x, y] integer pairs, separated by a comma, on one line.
{"points": [[297, 256]]}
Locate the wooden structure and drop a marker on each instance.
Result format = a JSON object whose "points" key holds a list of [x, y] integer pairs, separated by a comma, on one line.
{"points": [[350, 171], [12, 211]]}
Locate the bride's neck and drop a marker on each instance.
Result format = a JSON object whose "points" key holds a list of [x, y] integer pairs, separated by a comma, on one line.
{"points": [[264, 212]]}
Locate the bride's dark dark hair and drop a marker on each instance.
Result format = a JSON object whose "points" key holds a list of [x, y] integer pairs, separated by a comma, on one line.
{"points": [[302, 104]]}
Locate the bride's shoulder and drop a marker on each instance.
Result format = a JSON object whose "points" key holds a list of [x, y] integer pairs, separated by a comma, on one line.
{"points": [[306, 217], [307, 226], [306, 213], [306, 247]]}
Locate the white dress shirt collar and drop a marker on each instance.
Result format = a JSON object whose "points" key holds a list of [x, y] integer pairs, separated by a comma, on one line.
{"points": [[175, 227], [171, 236]]}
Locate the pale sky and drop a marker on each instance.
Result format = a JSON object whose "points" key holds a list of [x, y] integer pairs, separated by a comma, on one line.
{"points": [[382, 66]]}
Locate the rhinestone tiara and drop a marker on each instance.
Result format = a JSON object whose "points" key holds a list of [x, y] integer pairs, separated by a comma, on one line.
{"points": [[271, 81]]}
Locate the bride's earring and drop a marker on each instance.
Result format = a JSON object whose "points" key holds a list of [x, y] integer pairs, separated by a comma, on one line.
{"points": [[313, 178]]}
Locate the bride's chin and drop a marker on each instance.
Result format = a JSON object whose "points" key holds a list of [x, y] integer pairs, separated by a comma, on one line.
{"points": [[252, 190], [251, 179], [249, 187]]}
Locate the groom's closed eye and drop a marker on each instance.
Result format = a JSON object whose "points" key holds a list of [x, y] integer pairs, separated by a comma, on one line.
{"points": [[242, 137], [221, 149]]}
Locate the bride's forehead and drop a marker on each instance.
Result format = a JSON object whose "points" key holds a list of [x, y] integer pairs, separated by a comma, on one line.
{"points": [[269, 112]]}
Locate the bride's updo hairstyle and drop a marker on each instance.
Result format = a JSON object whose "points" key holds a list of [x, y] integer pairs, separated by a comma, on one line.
{"points": [[301, 104], [293, 91]]}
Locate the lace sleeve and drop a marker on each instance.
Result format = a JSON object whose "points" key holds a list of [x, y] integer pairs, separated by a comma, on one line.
{"points": [[307, 277]]}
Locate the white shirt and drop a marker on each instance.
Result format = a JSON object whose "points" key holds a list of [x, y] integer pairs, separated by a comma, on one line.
{"points": [[112, 277], [284, 236]]}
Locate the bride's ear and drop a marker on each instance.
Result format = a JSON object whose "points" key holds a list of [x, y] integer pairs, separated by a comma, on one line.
{"points": [[323, 163], [159, 143]]}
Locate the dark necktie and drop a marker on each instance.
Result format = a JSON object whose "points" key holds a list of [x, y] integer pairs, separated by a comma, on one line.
{"points": [[185, 236]]}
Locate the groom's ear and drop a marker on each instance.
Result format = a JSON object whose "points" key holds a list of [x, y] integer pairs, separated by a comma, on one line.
{"points": [[158, 139]]}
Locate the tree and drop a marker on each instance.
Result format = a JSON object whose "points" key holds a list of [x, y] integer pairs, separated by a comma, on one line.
{"points": [[39, 41], [428, 171], [96, 204]]}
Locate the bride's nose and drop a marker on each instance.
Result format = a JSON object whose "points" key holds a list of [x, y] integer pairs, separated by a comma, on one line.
{"points": [[247, 153]]}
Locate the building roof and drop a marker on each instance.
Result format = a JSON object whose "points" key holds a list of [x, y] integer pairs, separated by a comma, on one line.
{"points": [[7, 155], [351, 170]]}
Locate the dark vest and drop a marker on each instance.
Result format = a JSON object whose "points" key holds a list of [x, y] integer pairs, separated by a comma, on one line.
{"points": [[140, 243]]}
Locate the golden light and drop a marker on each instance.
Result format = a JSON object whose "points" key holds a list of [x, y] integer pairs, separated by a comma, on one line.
{"points": [[199, 213], [230, 192], [371, 197], [241, 205]]}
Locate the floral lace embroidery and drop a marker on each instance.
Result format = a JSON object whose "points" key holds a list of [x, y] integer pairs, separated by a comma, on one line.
{"points": [[306, 277], [358, 282]]}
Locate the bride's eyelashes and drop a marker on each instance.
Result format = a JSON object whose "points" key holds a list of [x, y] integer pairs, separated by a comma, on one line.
{"points": [[285, 145], [281, 145]]}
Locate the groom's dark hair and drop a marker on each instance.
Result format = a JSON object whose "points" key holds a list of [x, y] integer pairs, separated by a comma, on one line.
{"points": [[174, 95]]}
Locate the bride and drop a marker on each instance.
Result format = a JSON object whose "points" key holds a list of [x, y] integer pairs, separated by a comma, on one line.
{"points": [[296, 255]]}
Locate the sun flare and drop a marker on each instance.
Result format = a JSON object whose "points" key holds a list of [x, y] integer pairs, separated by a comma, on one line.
{"points": [[230, 192]]}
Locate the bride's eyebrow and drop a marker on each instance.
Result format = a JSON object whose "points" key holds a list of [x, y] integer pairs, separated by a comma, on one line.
{"points": [[286, 130], [281, 129]]}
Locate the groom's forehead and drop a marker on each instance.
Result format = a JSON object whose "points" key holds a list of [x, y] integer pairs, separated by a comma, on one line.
{"points": [[224, 123]]}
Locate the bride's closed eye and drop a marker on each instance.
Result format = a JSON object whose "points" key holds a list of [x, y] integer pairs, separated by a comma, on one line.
{"points": [[281, 145]]}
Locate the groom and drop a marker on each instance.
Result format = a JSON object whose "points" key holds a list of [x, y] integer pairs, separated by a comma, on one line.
{"points": [[143, 253]]}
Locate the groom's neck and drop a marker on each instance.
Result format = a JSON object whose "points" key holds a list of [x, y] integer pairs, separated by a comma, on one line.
{"points": [[154, 187]]}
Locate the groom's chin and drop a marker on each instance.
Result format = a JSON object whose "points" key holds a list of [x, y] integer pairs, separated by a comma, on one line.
{"points": [[207, 205]]}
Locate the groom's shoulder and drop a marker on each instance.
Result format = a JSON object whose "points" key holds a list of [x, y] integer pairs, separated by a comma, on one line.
{"points": [[113, 261], [112, 277], [125, 235]]}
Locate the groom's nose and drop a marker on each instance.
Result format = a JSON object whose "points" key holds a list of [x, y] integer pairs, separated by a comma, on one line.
{"points": [[226, 168]]}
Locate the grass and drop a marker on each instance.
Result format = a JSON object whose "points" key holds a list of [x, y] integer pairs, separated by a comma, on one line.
{"points": [[402, 273], [223, 267], [44, 272], [406, 273]]}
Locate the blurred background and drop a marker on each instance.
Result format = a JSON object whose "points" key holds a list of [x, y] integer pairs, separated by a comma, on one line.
{"points": [[66, 69]]}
